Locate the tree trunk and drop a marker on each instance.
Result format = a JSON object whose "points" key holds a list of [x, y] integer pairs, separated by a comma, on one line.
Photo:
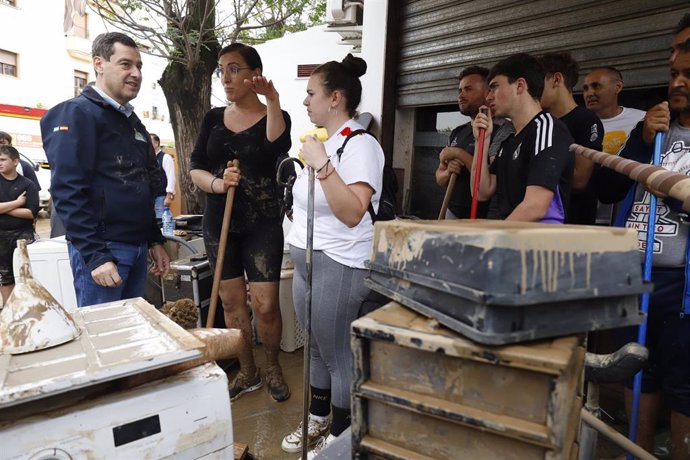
{"points": [[187, 91]]}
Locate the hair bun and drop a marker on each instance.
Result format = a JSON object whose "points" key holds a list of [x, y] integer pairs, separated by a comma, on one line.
{"points": [[356, 66]]}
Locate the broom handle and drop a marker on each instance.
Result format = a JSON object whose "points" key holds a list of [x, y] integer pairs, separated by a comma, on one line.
{"points": [[446, 198], [220, 344], [220, 258], [478, 173], [656, 178]]}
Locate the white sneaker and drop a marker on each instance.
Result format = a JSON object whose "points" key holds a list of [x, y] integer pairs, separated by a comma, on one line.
{"points": [[319, 446], [318, 427]]}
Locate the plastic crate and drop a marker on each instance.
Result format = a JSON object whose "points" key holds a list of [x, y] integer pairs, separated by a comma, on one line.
{"points": [[510, 263], [293, 333], [504, 282]]}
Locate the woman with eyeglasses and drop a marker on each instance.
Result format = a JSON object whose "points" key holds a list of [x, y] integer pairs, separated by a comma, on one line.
{"points": [[348, 179], [256, 134]]}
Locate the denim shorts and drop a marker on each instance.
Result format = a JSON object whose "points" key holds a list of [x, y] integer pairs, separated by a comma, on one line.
{"points": [[256, 251]]}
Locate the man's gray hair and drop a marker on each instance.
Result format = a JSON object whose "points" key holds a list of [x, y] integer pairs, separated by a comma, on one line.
{"points": [[104, 44]]}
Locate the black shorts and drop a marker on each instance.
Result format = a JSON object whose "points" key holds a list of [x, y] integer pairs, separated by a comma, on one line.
{"points": [[256, 250], [8, 243], [668, 341]]}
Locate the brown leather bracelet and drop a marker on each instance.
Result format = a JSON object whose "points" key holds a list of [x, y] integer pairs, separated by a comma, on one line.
{"points": [[327, 173], [324, 165]]}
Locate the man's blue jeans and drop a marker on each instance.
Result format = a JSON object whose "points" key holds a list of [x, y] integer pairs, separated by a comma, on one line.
{"points": [[131, 265]]}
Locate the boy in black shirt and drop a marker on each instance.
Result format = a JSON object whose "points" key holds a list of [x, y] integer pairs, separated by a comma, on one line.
{"points": [[18, 209], [533, 171], [561, 76]]}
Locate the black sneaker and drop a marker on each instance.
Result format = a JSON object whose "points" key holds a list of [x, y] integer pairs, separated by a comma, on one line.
{"points": [[243, 383], [277, 387]]}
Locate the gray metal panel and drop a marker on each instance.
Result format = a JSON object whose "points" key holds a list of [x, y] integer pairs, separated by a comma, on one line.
{"points": [[440, 37]]}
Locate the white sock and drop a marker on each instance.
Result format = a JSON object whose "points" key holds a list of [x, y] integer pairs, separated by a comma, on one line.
{"points": [[321, 419]]}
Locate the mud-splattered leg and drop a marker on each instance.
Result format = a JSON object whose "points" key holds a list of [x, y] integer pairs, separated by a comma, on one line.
{"points": [[266, 307], [233, 294]]}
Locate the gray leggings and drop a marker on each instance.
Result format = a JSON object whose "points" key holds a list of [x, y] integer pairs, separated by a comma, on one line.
{"points": [[337, 294]]}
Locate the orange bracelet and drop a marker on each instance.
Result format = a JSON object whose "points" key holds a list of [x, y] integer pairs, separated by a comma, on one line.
{"points": [[327, 173]]}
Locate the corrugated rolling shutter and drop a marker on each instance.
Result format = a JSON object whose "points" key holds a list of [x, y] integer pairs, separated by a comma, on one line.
{"points": [[440, 37]]}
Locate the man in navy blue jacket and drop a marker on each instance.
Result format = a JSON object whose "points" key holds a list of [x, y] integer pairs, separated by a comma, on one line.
{"points": [[105, 178]]}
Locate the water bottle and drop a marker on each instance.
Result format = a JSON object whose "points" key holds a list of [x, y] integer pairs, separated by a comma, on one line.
{"points": [[168, 223]]}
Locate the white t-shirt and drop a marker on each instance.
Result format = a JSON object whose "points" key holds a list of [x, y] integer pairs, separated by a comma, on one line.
{"points": [[617, 129], [169, 168], [670, 235], [362, 161]]}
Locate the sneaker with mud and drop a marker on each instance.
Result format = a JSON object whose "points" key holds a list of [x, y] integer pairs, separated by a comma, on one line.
{"points": [[318, 427], [320, 445], [277, 387], [243, 383]]}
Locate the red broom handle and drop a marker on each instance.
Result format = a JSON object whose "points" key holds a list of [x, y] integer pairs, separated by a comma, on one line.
{"points": [[478, 173]]}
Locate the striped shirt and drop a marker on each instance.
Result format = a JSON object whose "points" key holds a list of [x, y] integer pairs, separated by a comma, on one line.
{"points": [[537, 155]]}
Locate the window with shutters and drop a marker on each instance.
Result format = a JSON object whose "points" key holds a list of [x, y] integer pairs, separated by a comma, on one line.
{"points": [[305, 70], [81, 26], [8, 63], [79, 82]]}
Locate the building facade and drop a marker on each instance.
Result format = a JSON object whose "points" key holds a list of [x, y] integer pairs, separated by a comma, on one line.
{"points": [[45, 58], [420, 46]]}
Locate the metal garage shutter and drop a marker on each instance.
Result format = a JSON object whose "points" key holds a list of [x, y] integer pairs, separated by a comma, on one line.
{"points": [[440, 37]]}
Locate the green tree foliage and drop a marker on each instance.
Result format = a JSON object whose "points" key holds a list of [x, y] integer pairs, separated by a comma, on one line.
{"points": [[274, 18]]}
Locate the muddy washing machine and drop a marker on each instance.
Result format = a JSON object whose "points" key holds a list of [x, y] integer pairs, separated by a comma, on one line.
{"points": [[76, 400]]}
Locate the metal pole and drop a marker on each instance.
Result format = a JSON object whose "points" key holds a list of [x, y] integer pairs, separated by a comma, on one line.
{"points": [[307, 314], [642, 331]]}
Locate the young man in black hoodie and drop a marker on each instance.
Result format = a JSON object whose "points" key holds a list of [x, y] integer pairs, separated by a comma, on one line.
{"points": [[562, 72]]}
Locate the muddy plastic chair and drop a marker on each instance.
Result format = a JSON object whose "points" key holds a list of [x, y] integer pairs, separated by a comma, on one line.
{"points": [[615, 367]]}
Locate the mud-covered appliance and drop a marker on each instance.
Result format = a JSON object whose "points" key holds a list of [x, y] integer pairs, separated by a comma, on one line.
{"points": [[73, 401]]}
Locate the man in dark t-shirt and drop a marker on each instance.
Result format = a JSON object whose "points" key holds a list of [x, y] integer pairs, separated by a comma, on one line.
{"points": [[456, 158], [533, 171], [18, 209], [584, 126]]}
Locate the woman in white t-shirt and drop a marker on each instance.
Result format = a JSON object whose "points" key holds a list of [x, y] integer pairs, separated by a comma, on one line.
{"points": [[343, 230]]}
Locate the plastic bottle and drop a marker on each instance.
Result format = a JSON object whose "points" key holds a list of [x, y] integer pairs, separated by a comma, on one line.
{"points": [[168, 223]]}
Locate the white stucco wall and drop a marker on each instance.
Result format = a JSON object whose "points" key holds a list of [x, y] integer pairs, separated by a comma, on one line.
{"points": [[374, 53], [34, 31]]}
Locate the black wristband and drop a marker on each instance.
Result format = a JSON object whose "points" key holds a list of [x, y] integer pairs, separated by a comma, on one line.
{"points": [[324, 165]]}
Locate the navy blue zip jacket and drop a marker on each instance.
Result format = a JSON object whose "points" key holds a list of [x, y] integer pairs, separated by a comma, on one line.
{"points": [[104, 175]]}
